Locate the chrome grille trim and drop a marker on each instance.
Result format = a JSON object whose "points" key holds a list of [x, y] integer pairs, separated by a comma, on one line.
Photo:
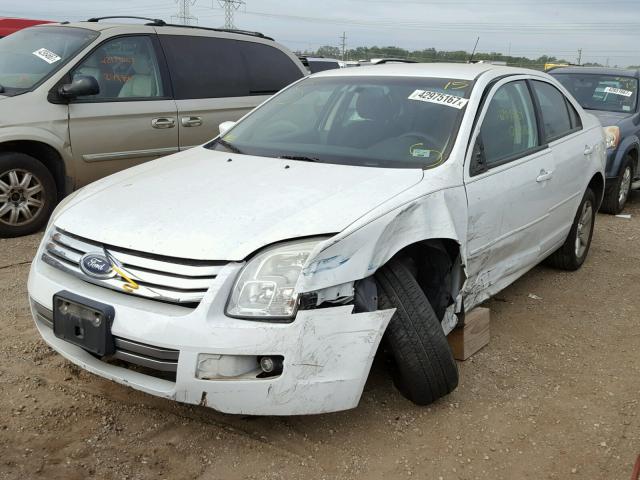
{"points": [[157, 358], [178, 281]]}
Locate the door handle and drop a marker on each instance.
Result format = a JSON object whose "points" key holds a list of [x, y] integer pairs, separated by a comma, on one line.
{"points": [[544, 176], [191, 121], [163, 122], [588, 150]]}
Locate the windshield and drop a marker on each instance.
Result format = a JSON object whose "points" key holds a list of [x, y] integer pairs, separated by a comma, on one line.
{"points": [[601, 92], [368, 121], [31, 55]]}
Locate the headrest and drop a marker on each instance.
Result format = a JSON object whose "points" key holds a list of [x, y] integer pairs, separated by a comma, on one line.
{"points": [[141, 65], [374, 104]]}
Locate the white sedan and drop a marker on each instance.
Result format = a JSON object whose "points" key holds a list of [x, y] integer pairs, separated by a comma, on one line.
{"points": [[258, 274]]}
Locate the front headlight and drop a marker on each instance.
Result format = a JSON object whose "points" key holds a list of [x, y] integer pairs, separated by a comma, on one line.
{"points": [[265, 287], [612, 136]]}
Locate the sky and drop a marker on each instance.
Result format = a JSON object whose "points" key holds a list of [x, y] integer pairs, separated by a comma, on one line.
{"points": [[605, 31]]}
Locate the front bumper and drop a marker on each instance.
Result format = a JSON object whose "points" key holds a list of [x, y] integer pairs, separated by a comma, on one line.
{"points": [[327, 352]]}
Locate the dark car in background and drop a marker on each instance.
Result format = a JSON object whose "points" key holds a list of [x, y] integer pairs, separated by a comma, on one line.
{"points": [[612, 95]]}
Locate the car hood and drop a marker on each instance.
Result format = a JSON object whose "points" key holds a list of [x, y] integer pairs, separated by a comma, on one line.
{"points": [[209, 205], [609, 119]]}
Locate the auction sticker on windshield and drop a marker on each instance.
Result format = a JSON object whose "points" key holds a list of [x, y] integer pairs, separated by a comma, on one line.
{"points": [[439, 98], [618, 91], [47, 55]]}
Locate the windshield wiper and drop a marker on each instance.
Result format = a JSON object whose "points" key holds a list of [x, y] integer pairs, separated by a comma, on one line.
{"points": [[228, 146], [301, 158]]}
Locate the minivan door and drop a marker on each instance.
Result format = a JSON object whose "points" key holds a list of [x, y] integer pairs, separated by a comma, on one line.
{"points": [[217, 79], [132, 119]]}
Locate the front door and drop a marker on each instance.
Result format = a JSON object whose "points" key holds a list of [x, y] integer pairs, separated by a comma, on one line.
{"points": [[507, 179], [133, 117]]}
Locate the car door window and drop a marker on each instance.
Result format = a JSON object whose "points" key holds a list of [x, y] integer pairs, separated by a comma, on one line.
{"points": [[556, 120], [125, 68], [509, 129], [270, 70]]}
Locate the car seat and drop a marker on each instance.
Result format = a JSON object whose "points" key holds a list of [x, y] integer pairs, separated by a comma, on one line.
{"points": [[143, 82]]}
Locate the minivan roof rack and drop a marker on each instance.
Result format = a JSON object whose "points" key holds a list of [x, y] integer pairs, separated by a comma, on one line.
{"points": [[226, 30], [156, 22]]}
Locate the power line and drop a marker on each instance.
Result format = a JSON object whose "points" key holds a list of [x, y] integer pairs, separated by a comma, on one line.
{"points": [[183, 16], [230, 7], [343, 40]]}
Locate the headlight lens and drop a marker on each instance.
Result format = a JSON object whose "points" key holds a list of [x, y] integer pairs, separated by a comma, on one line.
{"points": [[265, 287], [612, 135]]}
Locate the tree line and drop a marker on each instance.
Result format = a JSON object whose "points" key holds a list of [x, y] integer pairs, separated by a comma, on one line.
{"points": [[432, 55]]}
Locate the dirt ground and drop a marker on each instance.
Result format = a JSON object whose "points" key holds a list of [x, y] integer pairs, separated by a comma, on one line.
{"points": [[555, 395]]}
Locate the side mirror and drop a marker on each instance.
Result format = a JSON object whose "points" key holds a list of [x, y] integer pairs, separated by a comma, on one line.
{"points": [[478, 160], [80, 86], [224, 127]]}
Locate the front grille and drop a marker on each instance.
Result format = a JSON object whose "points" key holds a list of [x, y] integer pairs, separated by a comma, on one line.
{"points": [[141, 354], [167, 279]]}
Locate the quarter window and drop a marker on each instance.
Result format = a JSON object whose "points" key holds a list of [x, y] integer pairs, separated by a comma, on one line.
{"points": [[205, 67], [554, 111], [509, 127], [125, 68]]}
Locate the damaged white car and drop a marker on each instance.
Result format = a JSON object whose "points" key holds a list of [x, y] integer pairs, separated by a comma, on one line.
{"points": [[258, 274]]}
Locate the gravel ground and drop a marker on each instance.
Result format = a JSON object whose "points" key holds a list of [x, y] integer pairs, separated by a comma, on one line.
{"points": [[555, 395]]}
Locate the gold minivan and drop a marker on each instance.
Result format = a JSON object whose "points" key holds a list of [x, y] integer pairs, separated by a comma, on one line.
{"points": [[79, 101]]}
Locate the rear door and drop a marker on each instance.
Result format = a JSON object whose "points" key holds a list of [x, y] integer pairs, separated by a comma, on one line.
{"points": [[132, 119], [507, 179], [216, 79]]}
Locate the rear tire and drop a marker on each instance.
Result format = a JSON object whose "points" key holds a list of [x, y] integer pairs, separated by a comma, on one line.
{"points": [[424, 366], [616, 195], [575, 249], [27, 195]]}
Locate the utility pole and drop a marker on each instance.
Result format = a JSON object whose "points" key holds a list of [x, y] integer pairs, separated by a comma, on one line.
{"points": [[230, 6], [579, 56], [183, 16], [343, 39]]}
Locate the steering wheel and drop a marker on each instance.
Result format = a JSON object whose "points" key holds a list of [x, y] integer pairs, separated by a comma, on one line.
{"points": [[425, 138]]}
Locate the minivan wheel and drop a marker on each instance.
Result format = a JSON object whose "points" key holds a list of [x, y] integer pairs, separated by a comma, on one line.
{"points": [[27, 194], [424, 368], [616, 196], [574, 251]]}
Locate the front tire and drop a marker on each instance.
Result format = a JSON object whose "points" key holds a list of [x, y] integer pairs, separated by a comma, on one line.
{"points": [[574, 251], [424, 366], [27, 195], [617, 195]]}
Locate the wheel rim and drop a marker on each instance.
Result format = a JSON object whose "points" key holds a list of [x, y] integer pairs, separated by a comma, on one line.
{"points": [[21, 197], [583, 232], [625, 185]]}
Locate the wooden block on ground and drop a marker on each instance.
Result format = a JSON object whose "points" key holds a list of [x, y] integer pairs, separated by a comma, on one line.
{"points": [[474, 335]]}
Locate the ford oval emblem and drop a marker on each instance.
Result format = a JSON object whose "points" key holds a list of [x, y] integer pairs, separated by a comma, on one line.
{"points": [[96, 265]]}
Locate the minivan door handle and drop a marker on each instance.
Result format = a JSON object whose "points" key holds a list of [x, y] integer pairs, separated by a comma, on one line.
{"points": [[588, 150], [191, 121], [163, 122], [544, 176]]}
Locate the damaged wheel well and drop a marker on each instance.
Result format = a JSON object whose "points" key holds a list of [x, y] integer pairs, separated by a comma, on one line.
{"points": [[436, 264]]}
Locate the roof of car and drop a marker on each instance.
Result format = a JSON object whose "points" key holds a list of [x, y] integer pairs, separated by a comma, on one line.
{"points": [[619, 72], [462, 71]]}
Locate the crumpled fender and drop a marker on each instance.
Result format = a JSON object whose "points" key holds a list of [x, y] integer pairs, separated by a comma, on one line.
{"points": [[365, 246]]}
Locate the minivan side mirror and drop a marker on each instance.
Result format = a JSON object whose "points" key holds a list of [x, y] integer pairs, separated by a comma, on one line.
{"points": [[80, 86], [224, 127]]}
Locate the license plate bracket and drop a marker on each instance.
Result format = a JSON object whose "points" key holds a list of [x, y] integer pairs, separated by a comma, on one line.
{"points": [[83, 322]]}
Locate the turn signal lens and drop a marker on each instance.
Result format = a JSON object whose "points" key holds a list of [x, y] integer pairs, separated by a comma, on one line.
{"points": [[612, 135]]}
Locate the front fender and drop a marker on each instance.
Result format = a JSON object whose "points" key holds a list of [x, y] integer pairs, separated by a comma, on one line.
{"points": [[359, 251], [614, 162]]}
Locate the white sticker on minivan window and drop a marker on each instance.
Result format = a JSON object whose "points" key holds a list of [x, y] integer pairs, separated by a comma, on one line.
{"points": [[47, 55], [618, 91], [439, 98]]}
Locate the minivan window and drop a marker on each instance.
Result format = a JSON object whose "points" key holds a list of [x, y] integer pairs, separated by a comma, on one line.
{"points": [[206, 67], [553, 108], [30, 56], [601, 92], [509, 128], [373, 121], [125, 67]]}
